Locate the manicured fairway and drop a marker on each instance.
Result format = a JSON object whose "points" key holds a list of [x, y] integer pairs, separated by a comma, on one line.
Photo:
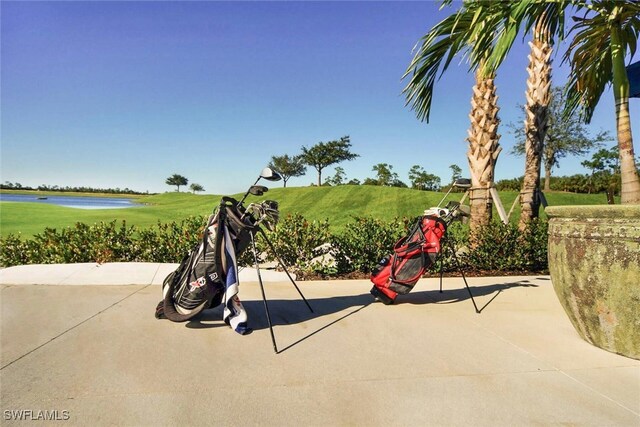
{"points": [[337, 204]]}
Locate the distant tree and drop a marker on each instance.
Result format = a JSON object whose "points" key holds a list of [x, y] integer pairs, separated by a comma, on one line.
{"points": [[196, 187], [338, 178], [605, 168], [456, 173], [177, 180], [416, 174], [421, 180], [513, 184], [354, 181], [10, 185], [398, 183], [384, 174], [566, 135], [288, 166], [325, 154], [370, 181]]}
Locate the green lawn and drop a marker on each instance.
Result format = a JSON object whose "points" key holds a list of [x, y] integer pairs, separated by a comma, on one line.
{"points": [[337, 204]]}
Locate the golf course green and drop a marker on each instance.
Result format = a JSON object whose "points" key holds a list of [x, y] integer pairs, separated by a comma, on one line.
{"points": [[337, 204]]}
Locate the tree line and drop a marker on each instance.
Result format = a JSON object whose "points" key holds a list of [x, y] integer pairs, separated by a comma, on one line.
{"points": [[324, 154], [17, 186]]}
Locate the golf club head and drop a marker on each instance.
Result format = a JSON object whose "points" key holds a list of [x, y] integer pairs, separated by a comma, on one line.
{"points": [[462, 183], [270, 175], [258, 190]]}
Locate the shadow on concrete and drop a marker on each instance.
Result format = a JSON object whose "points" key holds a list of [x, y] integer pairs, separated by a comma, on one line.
{"points": [[285, 312], [289, 312], [449, 296], [292, 311]]}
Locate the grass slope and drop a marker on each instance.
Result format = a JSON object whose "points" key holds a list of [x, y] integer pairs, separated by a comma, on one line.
{"points": [[336, 204]]}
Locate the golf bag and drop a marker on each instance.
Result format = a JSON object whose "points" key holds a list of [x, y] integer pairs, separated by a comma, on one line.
{"points": [[411, 258], [208, 274]]}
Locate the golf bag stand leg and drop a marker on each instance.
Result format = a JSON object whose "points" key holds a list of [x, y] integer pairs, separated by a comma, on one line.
{"points": [[264, 297], [273, 250], [450, 245]]}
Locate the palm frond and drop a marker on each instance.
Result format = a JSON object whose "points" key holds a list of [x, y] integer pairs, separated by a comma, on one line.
{"points": [[589, 53], [434, 55], [468, 33]]}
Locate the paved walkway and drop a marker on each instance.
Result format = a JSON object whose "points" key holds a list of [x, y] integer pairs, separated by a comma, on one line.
{"points": [[95, 355]]}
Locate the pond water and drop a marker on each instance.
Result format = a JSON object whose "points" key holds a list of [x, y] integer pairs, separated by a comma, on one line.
{"points": [[88, 202]]}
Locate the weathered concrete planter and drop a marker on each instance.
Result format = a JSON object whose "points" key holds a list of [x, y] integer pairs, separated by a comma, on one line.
{"points": [[594, 261]]}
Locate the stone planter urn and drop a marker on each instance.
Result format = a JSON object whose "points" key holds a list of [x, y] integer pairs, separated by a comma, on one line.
{"points": [[594, 262]]}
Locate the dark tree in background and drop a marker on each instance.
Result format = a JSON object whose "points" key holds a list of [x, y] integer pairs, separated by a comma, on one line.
{"points": [[566, 135], [384, 174], [177, 180], [338, 178], [288, 166], [385, 177], [605, 171], [456, 173], [421, 180], [325, 154], [196, 187]]}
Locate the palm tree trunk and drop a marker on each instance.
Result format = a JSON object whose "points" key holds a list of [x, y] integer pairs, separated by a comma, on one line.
{"points": [[538, 97], [483, 148], [630, 193]]}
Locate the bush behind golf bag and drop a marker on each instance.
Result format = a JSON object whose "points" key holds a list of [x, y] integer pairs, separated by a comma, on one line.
{"points": [[412, 256], [197, 283]]}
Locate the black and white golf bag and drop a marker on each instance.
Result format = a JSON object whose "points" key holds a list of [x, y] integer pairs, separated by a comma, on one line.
{"points": [[208, 275]]}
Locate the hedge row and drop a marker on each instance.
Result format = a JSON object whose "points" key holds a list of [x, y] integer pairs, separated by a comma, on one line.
{"points": [[307, 247]]}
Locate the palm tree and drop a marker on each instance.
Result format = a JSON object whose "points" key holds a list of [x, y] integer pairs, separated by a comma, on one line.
{"points": [[544, 20], [469, 27], [606, 34], [483, 148], [538, 97], [603, 38]]}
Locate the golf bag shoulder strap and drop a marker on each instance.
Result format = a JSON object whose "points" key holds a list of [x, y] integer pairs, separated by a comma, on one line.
{"points": [[414, 239]]}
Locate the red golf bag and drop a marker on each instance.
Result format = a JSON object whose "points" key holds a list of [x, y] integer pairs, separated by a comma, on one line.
{"points": [[412, 256]]}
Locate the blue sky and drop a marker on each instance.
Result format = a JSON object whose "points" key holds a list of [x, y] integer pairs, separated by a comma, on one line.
{"points": [[124, 94]]}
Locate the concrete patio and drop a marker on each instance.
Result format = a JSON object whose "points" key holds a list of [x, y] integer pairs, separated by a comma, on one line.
{"points": [[95, 355]]}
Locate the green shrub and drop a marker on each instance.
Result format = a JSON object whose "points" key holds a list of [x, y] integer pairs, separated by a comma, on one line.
{"points": [[103, 242], [364, 242], [298, 241], [504, 248], [305, 246], [169, 242]]}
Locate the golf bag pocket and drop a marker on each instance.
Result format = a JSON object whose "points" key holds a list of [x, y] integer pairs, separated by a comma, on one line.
{"points": [[195, 285]]}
